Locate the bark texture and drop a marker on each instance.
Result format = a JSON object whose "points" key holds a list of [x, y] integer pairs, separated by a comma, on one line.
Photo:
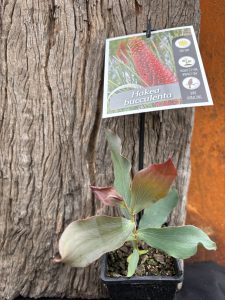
{"points": [[52, 143]]}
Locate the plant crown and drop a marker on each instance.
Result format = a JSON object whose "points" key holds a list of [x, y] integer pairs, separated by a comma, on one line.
{"points": [[84, 241]]}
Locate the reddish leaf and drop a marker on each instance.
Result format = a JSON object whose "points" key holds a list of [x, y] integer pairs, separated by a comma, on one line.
{"points": [[108, 195], [151, 184]]}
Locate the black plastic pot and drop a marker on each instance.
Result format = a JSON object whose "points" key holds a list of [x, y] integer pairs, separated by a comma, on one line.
{"points": [[142, 288]]}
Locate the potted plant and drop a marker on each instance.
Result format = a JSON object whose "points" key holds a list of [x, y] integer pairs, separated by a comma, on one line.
{"points": [[143, 243]]}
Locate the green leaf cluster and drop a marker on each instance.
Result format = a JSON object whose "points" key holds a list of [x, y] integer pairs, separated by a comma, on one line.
{"points": [[84, 241]]}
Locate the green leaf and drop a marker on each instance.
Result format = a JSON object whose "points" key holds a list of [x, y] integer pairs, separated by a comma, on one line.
{"points": [[157, 214], [121, 165], [151, 184], [142, 252], [84, 241], [132, 263], [179, 242]]}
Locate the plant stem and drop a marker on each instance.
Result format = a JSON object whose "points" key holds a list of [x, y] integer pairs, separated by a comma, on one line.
{"points": [[135, 241], [133, 219]]}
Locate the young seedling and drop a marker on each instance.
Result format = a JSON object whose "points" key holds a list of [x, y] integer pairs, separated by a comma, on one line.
{"points": [[84, 241]]}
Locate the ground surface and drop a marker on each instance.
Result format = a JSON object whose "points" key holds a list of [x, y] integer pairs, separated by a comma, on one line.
{"points": [[154, 262]]}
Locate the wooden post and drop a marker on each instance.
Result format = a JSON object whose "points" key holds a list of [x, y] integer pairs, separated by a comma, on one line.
{"points": [[52, 141]]}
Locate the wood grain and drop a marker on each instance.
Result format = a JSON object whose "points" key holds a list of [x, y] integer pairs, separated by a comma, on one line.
{"points": [[52, 143]]}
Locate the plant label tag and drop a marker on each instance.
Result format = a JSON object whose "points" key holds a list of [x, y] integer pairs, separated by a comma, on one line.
{"points": [[164, 71]]}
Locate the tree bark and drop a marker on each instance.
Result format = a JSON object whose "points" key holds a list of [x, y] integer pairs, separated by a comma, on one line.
{"points": [[52, 142]]}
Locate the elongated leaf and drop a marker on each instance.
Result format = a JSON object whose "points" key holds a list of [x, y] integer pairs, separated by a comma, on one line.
{"points": [[179, 242], [84, 241], [157, 214], [151, 184], [108, 195], [121, 166], [132, 263]]}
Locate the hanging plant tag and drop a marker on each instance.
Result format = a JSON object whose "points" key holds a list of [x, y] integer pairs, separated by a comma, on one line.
{"points": [[144, 74]]}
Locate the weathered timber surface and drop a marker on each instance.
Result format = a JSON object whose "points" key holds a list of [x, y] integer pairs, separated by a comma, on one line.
{"points": [[52, 143]]}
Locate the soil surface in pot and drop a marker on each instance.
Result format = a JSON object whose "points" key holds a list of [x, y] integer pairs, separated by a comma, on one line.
{"points": [[154, 262]]}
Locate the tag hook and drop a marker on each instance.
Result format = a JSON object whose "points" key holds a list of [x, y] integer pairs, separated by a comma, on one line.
{"points": [[149, 29]]}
